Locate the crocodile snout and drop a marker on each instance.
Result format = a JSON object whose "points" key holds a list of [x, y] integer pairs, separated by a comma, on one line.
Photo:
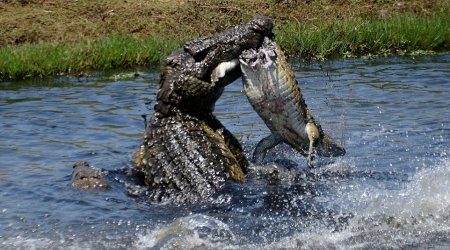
{"points": [[262, 24]]}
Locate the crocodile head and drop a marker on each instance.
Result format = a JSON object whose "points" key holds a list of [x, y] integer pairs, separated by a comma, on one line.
{"points": [[193, 77], [87, 178], [272, 89]]}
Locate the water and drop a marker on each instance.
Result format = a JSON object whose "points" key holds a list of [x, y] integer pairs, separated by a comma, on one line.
{"points": [[391, 190]]}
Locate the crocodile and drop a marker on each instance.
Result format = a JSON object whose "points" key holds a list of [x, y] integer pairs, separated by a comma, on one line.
{"points": [[186, 154], [84, 177], [272, 90]]}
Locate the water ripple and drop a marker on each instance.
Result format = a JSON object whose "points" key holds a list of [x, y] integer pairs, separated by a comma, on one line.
{"points": [[389, 191]]}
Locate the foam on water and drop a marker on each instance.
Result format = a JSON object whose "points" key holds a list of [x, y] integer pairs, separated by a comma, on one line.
{"points": [[416, 215], [427, 193], [188, 232]]}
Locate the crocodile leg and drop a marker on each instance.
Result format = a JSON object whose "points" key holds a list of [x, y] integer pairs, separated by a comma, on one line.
{"points": [[313, 136], [264, 145]]}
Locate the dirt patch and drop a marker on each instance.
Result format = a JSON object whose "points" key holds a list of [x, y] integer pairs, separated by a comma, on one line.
{"points": [[61, 21]]}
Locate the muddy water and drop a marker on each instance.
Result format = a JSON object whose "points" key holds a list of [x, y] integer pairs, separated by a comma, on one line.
{"points": [[391, 190]]}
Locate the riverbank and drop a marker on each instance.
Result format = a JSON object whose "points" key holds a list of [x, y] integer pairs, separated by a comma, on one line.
{"points": [[54, 37]]}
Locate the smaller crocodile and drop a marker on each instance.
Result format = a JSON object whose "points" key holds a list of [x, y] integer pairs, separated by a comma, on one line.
{"points": [[273, 91], [84, 177]]}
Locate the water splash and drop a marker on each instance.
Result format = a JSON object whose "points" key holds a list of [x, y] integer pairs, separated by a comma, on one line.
{"points": [[416, 215], [187, 233]]}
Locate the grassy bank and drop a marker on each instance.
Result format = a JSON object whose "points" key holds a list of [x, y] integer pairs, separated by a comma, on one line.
{"points": [[403, 34], [70, 37], [31, 60]]}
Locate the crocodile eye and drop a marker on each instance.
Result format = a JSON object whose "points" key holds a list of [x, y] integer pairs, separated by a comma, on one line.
{"points": [[262, 23], [197, 49]]}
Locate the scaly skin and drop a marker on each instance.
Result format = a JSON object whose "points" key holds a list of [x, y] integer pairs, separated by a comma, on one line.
{"points": [[273, 91], [84, 177], [187, 154]]}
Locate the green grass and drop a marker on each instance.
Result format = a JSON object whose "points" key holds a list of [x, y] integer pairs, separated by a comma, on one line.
{"points": [[400, 35], [404, 34], [19, 62]]}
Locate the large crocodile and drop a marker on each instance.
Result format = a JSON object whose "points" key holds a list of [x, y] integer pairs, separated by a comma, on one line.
{"points": [[187, 154], [273, 91]]}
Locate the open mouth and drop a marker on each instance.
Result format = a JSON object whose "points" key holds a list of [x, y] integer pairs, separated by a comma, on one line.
{"points": [[264, 56]]}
